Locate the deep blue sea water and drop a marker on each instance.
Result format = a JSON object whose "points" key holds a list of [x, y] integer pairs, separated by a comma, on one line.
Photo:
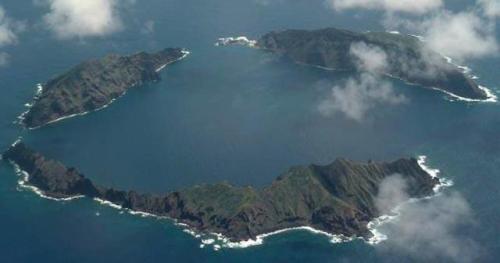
{"points": [[224, 114]]}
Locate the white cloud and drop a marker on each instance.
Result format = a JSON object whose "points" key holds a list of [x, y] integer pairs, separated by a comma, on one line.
{"points": [[88, 18], [461, 36], [374, 59], [464, 35], [370, 58], [406, 6], [361, 94], [431, 225], [391, 193], [358, 96], [7, 28], [490, 7], [8, 34]]}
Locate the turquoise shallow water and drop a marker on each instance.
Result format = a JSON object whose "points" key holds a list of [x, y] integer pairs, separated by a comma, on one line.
{"points": [[231, 114]]}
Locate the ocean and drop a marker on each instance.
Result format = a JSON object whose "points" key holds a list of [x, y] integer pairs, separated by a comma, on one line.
{"points": [[227, 114]]}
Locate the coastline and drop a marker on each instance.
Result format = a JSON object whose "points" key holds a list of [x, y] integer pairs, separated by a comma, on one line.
{"points": [[184, 52], [21, 117], [491, 97], [39, 89], [467, 71], [373, 226], [23, 182], [218, 241], [81, 113]]}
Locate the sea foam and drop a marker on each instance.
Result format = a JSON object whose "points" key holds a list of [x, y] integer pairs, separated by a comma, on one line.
{"points": [[259, 240], [241, 40]]}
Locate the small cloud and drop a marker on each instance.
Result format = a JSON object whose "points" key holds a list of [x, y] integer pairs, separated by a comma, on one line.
{"points": [[89, 18], [366, 91], [491, 8], [391, 193], [430, 225], [461, 36], [464, 35], [360, 95], [405, 6], [7, 29], [369, 58]]}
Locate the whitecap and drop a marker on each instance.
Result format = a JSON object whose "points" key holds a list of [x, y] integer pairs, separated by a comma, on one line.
{"points": [[224, 242], [241, 40], [107, 203]]}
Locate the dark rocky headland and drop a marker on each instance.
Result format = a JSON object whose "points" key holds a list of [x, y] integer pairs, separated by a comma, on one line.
{"points": [[338, 198], [407, 57], [94, 84]]}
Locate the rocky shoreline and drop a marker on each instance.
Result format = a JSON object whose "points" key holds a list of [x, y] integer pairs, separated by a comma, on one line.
{"points": [[94, 84], [408, 58], [338, 198]]}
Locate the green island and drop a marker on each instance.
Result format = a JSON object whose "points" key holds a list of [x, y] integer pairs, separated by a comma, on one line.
{"points": [[338, 198], [94, 84], [407, 57]]}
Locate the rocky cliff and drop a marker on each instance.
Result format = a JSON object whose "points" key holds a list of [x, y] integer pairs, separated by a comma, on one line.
{"points": [[338, 198]]}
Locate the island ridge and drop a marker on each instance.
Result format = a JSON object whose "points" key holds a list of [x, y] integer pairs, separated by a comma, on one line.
{"points": [[338, 198]]}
